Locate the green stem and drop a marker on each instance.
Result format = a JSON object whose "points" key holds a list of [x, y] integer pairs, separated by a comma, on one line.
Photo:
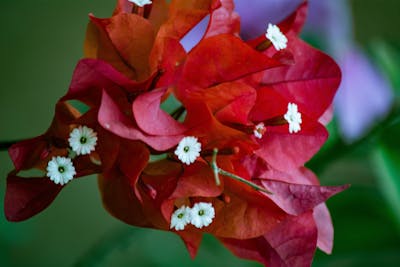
{"points": [[214, 167], [240, 179], [217, 171], [176, 114]]}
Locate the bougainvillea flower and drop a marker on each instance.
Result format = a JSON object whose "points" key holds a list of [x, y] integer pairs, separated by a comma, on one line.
{"points": [[277, 86], [27, 196], [257, 167], [98, 85], [133, 35], [226, 160]]}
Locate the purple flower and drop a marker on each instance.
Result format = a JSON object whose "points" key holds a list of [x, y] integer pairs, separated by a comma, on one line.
{"points": [[256, 15], [364, 96]]}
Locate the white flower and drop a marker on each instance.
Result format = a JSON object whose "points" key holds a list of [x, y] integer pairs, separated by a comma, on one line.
{"points": [[259, 130], [188, 150], [277, 38], [140, 3], [180, 218], [82, 140], [202, 214], [60, 170], [293, 117]]}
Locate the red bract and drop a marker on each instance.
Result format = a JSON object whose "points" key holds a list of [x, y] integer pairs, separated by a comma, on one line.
{"points": [[27, 196], [134, 35], [100, 86], [246, 120]]}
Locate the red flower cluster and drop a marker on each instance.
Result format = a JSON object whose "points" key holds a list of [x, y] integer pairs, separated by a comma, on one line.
{"points": [[229, 160]]}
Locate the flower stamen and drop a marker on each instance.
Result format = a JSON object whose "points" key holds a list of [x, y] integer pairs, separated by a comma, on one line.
{"points": [[259, 130]]}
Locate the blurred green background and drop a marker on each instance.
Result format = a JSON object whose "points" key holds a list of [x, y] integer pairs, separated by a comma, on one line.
{"points": [[41, 41]]}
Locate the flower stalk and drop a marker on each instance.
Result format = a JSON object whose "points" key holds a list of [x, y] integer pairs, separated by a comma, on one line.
{"points": [[217, 171]]}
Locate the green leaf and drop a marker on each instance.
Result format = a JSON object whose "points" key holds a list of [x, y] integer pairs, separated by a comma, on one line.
{"points": [[388, 59], [131, 246], [387, 161], [388, 258]]}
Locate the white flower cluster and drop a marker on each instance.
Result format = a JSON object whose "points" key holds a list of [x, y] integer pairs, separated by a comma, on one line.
{"points": [[188, 150], [82, 141], [259, 130], [278, 39], [60, 170], [293, 117], [201, 215]]}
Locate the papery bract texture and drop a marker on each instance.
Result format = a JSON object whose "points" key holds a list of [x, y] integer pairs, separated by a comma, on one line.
{"points": [[254, 116]]}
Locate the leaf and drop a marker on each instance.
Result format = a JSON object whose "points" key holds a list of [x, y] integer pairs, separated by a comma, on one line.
{"points": [[25, 197], [133, 38], [158, 11], [296, 199], [113, 119], [290, 244], [197, 180], [231, 102], [212, 62], [284, 151], [247, 213], [151, 118], [184, 15], [25, 154], [324, 225], [387, 167], [311, 82], [119, 199], [388, 59], [91, 76], [211, 132], [223, 20], [133, 171]]}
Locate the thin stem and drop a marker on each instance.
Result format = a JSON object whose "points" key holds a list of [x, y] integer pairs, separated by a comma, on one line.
{"points": [[214, 167], [217, 171], [263, 45], [240, 179], [176, 114]]}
